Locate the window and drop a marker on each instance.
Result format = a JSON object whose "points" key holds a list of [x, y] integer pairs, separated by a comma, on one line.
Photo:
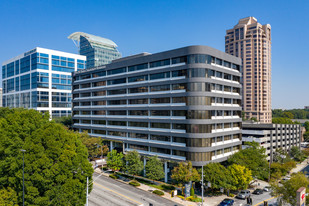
{"points": [[138, 90], [181, 86], [159, 75], [160, 88], [116, 102], [116, 71], [160, 63], [100, 93], [160, 125], [116, 81], [179, 99], [138, 78], [138, 67], [120, 112], [139, 112], [117, 92], [138, 124], [138, 101], [199, 59], [160, 138], [179, 60], [165, 100], [138, 135], [179, 73], [160, 113], [117, 123]]}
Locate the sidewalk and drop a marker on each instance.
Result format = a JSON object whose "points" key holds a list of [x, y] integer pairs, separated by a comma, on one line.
{"points": [[300, 166]]}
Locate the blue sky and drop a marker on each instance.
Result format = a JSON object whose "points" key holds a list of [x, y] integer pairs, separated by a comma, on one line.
{"points": [[158, 25]]}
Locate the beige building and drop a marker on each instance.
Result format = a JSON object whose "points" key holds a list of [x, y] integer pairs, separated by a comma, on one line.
{"points": [[251, 41]]}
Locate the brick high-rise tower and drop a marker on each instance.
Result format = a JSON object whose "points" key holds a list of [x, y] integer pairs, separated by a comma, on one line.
{"points": [[251, 41]]}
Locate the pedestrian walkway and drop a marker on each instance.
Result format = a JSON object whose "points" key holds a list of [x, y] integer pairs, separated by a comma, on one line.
{"points": [[299, 167]]}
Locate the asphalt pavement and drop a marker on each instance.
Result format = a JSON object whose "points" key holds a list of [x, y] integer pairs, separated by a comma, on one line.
{"points": [[109, 192], [256, 199]]}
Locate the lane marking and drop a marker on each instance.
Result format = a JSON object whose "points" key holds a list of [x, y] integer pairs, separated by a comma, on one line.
{"points": [[264, 200], [118, 193]]}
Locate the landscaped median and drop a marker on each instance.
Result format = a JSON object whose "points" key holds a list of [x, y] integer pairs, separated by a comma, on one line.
{"points": [[159, 188]]}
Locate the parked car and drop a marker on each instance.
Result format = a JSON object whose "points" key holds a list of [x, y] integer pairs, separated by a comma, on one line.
{"points": [[243, 194], [258, 191], [226, 202], [267, 189]]}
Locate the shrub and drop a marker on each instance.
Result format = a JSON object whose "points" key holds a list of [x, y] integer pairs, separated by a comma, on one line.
{"points": [[194, 199], [231, 195], [191, 191], [158, 192], [181, 197], [135, 183], [113, 176], [168, 187]]}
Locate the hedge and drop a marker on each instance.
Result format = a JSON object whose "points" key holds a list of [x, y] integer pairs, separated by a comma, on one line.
{"points": [[135, 183], [158, 192]]}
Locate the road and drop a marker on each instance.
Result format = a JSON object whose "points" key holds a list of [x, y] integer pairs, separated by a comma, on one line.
{"points": [[109, 192], [257, 200]]}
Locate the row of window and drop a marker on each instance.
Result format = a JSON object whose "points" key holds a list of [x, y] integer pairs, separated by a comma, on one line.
{"points": [[164, 100], [196, 128], [189, 114], [191, 59], [191, 73]]}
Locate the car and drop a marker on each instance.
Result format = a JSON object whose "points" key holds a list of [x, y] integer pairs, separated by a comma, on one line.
{"points": [[267, 188], [226, 202], [258, 191], [243, 194]]}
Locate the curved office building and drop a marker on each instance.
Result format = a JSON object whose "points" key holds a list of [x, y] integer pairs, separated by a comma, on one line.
{"points": [[181, 105], [98, 50]]}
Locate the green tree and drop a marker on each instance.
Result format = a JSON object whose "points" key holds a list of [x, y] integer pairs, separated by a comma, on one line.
{"points": [[66, 121], [8, 197], [288, 115], [306, 136], [240, 176], [56, 164], [306, 125], [134, 165], [93, 145], [115, 160], [282, 120], [154, 168], [286, 191], [185, 173], [296, 153], [253, 158], [217, 175]]}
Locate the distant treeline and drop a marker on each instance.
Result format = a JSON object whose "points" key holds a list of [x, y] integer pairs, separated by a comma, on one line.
{"points": [[292, 113]]}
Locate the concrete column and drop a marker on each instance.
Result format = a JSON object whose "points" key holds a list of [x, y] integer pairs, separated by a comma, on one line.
{"points": [[111, 145], [144, 166], [165, 171]]}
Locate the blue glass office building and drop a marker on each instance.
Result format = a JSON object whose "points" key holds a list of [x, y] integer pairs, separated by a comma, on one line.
{"points": [[98, 50], [41, 79]]}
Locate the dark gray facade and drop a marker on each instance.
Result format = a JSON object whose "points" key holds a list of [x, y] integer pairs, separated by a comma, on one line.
{"points": [[273, 136], [182, 104]]}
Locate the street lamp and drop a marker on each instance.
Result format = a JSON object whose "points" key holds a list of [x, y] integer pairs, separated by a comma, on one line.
{"points": [[23, 151]]}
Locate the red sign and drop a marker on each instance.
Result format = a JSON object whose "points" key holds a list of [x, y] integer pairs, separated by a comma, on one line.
{"points": [[303, 196]]}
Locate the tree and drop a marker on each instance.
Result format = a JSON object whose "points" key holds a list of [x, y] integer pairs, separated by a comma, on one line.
{"points": [[134, 165], [115, 160], [253, 158], [154, 168], [282, 120], [8, 197], [296, 153], [306, 125], [217, 175], [185, 173], [66, 121], [93, 145], [286, 191], [240, 176], [56, 164], [288, 115]]}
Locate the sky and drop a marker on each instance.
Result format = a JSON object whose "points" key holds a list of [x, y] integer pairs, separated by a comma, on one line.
{"points": [[159, 25]]}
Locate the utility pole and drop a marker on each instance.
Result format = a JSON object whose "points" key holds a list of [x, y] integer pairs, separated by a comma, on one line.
{"points": [[23, 151], [202, 185], [87, 193]]}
